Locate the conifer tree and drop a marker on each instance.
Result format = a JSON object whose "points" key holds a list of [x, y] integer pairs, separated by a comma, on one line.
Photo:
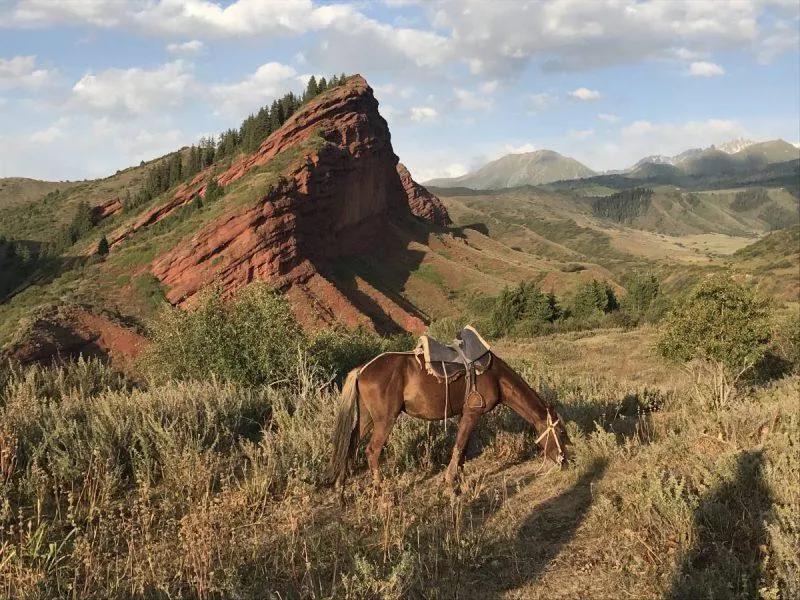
{"points": [[102, 247]]}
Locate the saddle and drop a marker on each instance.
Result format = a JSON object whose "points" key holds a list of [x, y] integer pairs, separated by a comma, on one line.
{"points": [[468, 356]]}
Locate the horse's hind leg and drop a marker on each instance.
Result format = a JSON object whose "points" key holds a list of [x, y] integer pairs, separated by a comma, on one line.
{"points": [[380, 433]]}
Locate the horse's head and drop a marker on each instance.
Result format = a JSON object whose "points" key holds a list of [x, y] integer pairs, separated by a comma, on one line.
{"points": [[553, 438]]}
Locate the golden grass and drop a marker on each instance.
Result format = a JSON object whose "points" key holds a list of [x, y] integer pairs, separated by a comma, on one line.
{"points": [[209, 490]]}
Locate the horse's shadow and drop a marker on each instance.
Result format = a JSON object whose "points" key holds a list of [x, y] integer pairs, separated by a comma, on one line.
{"points": [[540, 539]]}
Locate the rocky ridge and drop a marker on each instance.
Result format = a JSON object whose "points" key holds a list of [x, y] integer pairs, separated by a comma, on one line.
{"points": [[340, 189]]}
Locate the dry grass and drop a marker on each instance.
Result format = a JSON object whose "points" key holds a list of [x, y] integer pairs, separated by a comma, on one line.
{"points": [[209, 490]]}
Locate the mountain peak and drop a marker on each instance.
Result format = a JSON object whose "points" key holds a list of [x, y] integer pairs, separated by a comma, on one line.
{"points": [[734, 146], [524, 168]]}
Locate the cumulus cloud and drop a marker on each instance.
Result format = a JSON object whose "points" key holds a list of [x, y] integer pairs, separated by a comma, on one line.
{"points": [[189, 48], [469, 100], [495, 40], [429, 171], [135, 91], [642, 138], [705, 69], [608, 117], [21, 71], [584, 94], [270, 80], [580, 134], [539, 102], [510, 149], [82, 146], [392, 90], [423, 114]]}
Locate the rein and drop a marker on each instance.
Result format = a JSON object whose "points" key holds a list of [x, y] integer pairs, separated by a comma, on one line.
{"points": [[551, 428]]}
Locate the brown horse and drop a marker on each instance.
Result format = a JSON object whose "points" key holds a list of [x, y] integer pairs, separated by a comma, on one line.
{"points": [[376, 393]]}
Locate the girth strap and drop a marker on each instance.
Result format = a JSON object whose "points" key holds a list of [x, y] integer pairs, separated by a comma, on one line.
{"points": [[471, 387]]}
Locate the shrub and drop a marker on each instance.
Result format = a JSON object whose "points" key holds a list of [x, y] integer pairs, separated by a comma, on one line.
{"points": [[787, 341], [446, 328], [524, 307], [149, 287], [102, 247], [593, 299], [337, 351], [642, 288], [252, 339], [725, 328]]}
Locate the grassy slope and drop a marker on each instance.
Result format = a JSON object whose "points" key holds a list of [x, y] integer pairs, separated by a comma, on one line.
{"points": [[678, 503]]}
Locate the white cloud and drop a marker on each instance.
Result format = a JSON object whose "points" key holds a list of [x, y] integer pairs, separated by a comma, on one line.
{"points": [[540, 102], [50, 134], [423, 114], [135, 91], [783, 37], [392, 90], [496, 40], [490, 87], [580, 134], [608, 118], [469, 100], [584, 94], [81, 147], [21, 71], [705, 69], [519, 149], [643, 138], [269, 81], [444, 169], [189, 48]]}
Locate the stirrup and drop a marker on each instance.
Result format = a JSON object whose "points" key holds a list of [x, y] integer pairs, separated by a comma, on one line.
{"points": [[475, 400]]}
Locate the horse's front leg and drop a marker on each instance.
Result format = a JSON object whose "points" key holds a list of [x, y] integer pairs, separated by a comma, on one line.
{"points": [[465, 426]]}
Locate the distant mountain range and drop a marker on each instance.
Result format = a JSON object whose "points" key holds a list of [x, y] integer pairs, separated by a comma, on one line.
{"points": [[546, 166], [725, 158], [514, 170]]}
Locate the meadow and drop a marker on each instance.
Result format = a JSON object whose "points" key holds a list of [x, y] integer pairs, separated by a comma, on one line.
{"points": [[213, 489]]}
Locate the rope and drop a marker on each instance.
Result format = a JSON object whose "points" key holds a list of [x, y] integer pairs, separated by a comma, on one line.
{"points": [[446, 395], [551, 428]]}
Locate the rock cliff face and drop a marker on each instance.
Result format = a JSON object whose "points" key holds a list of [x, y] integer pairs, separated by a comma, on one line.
{"points": [[421, 202], [339, 190]]}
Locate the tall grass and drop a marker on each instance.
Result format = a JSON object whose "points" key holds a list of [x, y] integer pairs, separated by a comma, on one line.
{"points": [[210, 489]]}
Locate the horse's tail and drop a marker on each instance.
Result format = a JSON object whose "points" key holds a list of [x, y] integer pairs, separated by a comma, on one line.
{"points": [[345, 433]]}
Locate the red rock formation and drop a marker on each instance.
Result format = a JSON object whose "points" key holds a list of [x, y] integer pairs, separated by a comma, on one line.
{"points": [[67, 332], [106, 209], [334, 199], [421, 202]]}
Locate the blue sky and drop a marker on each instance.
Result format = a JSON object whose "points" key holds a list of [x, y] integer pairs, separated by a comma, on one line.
{"points": [[91, 86]]}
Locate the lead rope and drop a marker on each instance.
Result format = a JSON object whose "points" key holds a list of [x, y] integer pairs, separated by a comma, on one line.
{"points": [[551, 427], [446, 395]]}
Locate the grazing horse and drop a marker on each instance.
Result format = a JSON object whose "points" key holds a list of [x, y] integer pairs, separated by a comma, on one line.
{"points": [[394, 382]]}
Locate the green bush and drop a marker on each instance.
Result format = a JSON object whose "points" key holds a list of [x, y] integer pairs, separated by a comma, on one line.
{"points": [[337, 351], [720, 320], [252, 339], [150, 288], [643, 289], [593, 299], [523, 308], [787, 341], [446, 328]]}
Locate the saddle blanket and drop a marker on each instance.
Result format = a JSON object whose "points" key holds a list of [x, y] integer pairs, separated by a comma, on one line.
{"points": [[450, 362]]}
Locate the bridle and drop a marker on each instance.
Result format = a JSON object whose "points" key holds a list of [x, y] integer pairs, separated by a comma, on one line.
{"points": [[551, 428]]}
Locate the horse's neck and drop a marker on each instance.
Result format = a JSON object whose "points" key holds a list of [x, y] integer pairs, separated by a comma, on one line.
{"points": [[519, 396]]}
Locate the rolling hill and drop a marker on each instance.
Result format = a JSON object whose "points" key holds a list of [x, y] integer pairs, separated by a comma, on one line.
{"points": [[512, 170], [344, 231]]}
